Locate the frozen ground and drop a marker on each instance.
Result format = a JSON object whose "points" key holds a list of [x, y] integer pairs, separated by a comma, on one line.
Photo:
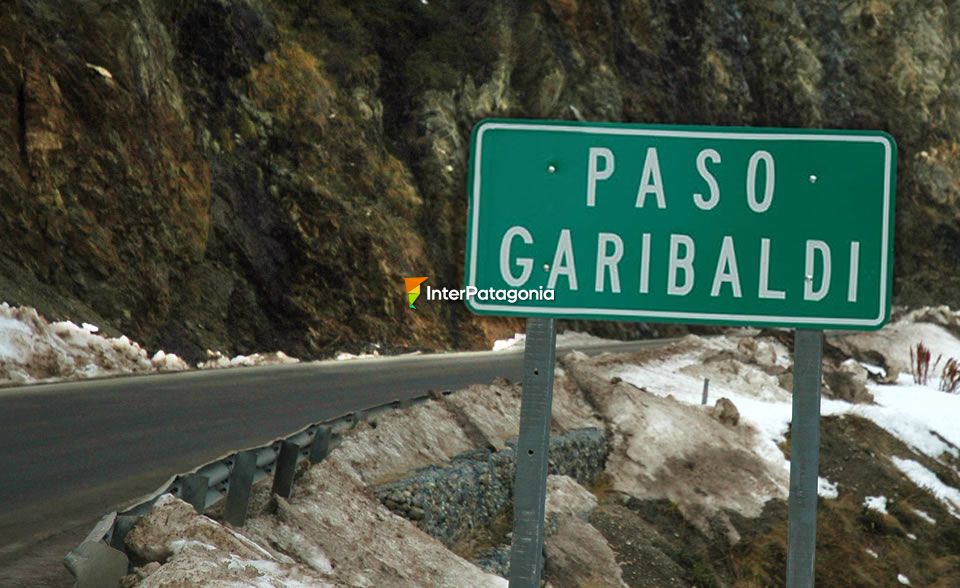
{"points": [[923, 417], [708, 461], [334, 531]]}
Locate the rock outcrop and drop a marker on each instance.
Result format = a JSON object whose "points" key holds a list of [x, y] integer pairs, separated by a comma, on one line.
{"points": [[259, 174]]}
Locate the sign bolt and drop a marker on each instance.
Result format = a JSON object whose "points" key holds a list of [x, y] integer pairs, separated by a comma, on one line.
{"points": [[551, 169], [546, 267], [813, 179]]}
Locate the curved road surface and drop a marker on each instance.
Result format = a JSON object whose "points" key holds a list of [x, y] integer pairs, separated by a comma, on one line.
{"points": [[71, 452]]}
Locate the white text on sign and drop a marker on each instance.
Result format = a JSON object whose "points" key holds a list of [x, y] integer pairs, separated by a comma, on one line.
{"points": [[682, 265]]}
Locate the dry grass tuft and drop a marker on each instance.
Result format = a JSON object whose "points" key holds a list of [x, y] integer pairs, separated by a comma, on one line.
{"points": [[920, 357], [920, 366], [950, 376]]}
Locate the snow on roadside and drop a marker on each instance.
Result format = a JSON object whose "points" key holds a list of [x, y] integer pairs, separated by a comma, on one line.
{"points": [[921, 416], [344, 356], [752, 373], [196, 550], [34, 350], [664, 444], [516, 342], [748, 374], [565, 339], [334, 514], [757, 395], [334, 530], [578, 339], [167, 362], [662, 447], [217, 360]]}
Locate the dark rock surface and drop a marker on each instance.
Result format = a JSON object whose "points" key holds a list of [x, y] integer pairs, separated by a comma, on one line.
{"points": [[256, 174]]}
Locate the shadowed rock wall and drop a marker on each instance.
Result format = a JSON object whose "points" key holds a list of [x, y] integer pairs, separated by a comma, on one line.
{"points": [[258, 174]]}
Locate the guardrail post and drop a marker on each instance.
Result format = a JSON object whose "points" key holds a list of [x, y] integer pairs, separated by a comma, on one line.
{"points": [[359, 417], [193, 491], [121, 526], [286, 468], [95, 564], [241, 485], [321, 444]]}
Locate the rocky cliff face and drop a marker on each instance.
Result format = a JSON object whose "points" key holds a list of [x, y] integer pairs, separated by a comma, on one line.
{"points": [[249, 174]]}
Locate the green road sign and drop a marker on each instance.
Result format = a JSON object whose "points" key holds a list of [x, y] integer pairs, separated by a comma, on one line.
{"points": [[751, 226]]}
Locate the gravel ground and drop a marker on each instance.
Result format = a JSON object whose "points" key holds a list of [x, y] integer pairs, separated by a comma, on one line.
{"points": [[452, 501]]}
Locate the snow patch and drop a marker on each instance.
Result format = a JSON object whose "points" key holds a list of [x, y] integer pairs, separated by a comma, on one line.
{"points": [[923, 515], [515, 342], [874, 370], [565, 339], [335, 514], [578, 339], [759, 399], [167, 362], [826, 489], [877, 503], [920, 416], [924, 478], [179, 545], [343, 356], [217, 360], [893, 342], [102, 71], [33, 350]]}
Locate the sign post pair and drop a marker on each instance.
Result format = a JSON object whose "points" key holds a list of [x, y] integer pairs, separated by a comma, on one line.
{"points": [[700, 225]]}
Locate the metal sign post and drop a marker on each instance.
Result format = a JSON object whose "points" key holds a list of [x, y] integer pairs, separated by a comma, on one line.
{"points": [[804, 458], [530, 483]]}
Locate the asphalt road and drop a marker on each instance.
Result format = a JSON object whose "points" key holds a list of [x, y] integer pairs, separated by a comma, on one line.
{"points": [[71, 452]]}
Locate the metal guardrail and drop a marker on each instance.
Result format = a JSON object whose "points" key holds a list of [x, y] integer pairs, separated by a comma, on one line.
{"points": [[101, 560]]}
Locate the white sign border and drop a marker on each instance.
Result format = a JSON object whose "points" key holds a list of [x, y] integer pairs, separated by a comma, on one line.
{"points": [[514, 309]]}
